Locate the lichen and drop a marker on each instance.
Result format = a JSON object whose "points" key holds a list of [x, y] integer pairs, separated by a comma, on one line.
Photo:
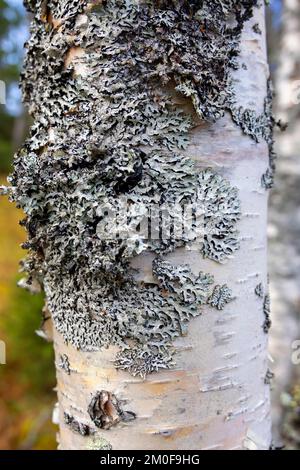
{"points": [[115, 132], [257, 29], [269, 377], [76, 426], [148, 317], [259, 127], [259, 290], [266, 306], [98, 443], [267, 313], [221, 296]]}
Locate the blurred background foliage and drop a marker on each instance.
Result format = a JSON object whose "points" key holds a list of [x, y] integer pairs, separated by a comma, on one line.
{"points": [[28, 378], [12, 117]]}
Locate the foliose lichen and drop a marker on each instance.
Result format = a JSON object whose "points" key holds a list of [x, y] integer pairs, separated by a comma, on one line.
{"points": [[266, 306], [76, 426], [260, 127], [267, 313], [259, 290], [106, 410], [257, 29], [98, 443], [99, 80]]}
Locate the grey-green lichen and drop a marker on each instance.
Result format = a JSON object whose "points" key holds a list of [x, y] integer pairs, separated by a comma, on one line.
{"points": [[259, 290], [76, 426], [267, 314], [260, 127], [221, 296], [257, 29], [64, 363], [120, 311], [269, 377], [115, 132]]}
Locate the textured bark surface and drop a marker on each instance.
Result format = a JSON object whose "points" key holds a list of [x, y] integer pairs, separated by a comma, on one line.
{"points": [[285, 218], [160, 344]]}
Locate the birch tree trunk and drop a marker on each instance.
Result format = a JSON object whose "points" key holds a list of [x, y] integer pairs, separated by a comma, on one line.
{"points": [[160, 340], [284, 215]]}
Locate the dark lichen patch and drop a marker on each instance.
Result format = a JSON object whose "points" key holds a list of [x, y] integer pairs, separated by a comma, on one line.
{"points": [[46, 328], [257, 29], [115, 132], [267, 313], [260, 128], [76, 426], [142, 319], [141, 361], [222, 210], [99, 443], [266, 304], [259, 290], [64, 363], [106, 411], [220, 297]]}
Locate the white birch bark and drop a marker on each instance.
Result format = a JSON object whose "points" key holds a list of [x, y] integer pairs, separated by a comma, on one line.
{"points": [[216, 396]]}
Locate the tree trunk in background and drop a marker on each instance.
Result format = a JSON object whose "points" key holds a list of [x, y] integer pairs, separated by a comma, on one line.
{"points": [[19, 130], [285, 215], [160, 343]]}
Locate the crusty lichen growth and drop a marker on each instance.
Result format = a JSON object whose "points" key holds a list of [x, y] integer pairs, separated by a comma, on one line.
{"points": [[114, 132]]}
